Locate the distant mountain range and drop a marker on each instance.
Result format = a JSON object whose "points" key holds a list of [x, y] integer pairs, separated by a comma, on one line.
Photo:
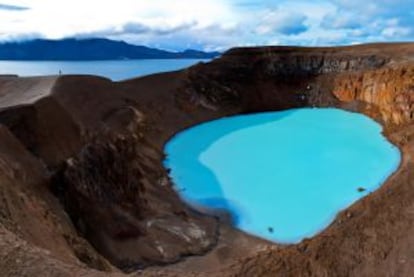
{"points": [[90, 49]]}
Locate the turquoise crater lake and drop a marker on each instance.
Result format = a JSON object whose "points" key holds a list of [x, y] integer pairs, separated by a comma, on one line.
{"points": [[283, 176]]}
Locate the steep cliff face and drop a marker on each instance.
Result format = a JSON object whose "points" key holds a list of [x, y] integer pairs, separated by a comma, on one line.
{"points": [[120, 198], [387, 91], [282, 77], [301, 61]]}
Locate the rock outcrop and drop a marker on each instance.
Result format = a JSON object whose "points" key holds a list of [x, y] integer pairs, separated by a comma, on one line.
{"points": [[275, 78], [388, 91], [121, 200], [110, 181]]}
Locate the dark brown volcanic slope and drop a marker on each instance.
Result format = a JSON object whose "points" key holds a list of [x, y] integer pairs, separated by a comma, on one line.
{"points": [[83, 188]]}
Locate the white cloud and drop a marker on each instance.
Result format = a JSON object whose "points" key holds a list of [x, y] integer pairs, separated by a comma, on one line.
{"points": [[282, 22], [392, 32], [56, 19], [211, 24]]}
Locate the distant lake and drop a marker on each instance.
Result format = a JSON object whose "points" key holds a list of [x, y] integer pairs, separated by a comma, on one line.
{"points": [[115, 70]]}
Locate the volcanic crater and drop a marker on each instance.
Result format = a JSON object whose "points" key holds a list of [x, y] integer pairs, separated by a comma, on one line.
{"points": [[84, 192]]}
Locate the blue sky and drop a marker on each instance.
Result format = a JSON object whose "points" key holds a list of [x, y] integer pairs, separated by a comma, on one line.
{"points": [[211, 24]]}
